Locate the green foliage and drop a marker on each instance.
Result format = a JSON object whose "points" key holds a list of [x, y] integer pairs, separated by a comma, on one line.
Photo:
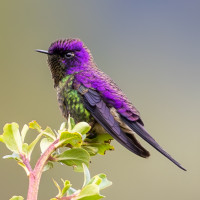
{"points": [[74, 157], [45, 143], [24, 131], [90, 190], [99, 144], [77, 153], [81, 127], [11, 137], [66, 138]]}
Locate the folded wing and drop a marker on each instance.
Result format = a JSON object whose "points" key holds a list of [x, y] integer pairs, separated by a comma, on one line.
{"points": [[99, 110]]}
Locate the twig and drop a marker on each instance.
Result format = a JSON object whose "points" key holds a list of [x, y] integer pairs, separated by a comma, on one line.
{"points": [[35, 175], [26, 162]]}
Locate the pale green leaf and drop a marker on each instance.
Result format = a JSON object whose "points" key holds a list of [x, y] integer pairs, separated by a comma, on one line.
{"points": [[32, 145], [35, 125], [81, 127], [95, 180], [72, 122], [74, 157], [71, 191], [25, 148], [91, 150], [12, 137], [1, 138], [45, 143], [69, 127], [59, 189], [17, 198], [104, 183], [75, 139], [89, 192], [63, 127], [13, 156], [86, 175], [84, 136], [67, 185], [49, 133], [24, 132]]}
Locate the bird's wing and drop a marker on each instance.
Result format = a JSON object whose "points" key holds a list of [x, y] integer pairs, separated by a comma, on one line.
{"points": [[98, 109]]}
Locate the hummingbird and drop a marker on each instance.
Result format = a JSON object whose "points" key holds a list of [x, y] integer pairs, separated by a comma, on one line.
{"points": [[88, 94]]}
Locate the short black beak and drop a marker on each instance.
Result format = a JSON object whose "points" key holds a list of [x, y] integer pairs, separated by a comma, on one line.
{"points": [[42, 51]]}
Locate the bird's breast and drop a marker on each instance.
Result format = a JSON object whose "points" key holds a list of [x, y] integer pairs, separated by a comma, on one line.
{"points": [[71, 102]]}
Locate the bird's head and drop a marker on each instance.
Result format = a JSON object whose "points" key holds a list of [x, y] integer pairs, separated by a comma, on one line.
{"points": [[67, 56]]}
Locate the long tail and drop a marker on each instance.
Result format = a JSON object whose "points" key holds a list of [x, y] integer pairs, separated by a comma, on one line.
{"points": [[139, 129]]}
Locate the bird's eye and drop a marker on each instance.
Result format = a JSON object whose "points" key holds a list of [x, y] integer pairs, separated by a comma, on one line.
{"points": [[69, 55]]}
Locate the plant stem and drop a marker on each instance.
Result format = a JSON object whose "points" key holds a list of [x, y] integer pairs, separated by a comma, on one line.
{"points": [[35, 175], [27, 163]]}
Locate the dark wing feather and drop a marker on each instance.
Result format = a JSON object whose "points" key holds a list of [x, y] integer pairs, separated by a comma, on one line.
{"points": [[98, 109], [139, 129]]}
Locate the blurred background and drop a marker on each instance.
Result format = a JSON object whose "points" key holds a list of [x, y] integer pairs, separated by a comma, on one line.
{"points": [[150, 48]]}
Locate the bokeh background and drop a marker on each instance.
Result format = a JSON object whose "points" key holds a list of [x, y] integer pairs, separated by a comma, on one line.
{"points": [[150, 48]]}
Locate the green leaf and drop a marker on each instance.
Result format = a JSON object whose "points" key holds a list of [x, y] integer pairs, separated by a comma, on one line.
{"points": [[1, 138], [104, 183], [14, 156], [84, 136], [101, 142], [86, 175], [45, 143], [81, 127], [63, 127], [74, 139], [35, 125], [95, 180], [69, 127], [32, 145], [25, 148], [72, 122], [89, 192], [49, 133], [91, 150], [24, 132], [67, 185], [12, 137], [101, 138], [74, 157], [17, 198], [71, 191], [59, 189]]}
